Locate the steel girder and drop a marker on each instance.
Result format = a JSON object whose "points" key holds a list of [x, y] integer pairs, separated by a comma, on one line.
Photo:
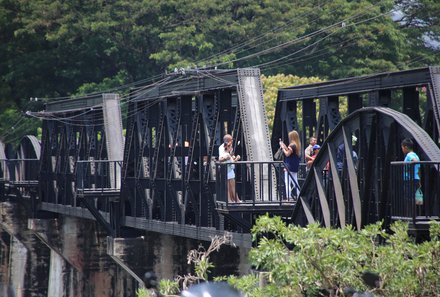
{"points": [[174, 130], [74, 130], [28, 156], [63, 143], [30, 148], [4, 172], [170, 153], [398, 90], [352, 188]]}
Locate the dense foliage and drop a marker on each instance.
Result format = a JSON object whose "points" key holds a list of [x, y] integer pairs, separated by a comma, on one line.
{"points": [[316, 261], [272, 83], [313, 261], [59, 48]]}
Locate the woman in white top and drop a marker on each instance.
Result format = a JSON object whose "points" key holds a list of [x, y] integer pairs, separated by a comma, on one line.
{"points": [[226, 155]]}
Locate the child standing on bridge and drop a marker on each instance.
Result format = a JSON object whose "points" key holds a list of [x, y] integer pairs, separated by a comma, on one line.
{"points": [[308, 152], [292, 153]]}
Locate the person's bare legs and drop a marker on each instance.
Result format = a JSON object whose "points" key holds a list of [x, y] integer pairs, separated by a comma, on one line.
{"points": [[230, 190], [233, 197], [233, 193]]}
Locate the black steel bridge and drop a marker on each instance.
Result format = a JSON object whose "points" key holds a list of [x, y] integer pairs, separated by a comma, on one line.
{"points": [[161, 173]]}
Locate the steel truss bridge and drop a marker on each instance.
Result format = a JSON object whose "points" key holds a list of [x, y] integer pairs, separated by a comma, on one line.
{"points": [[163, 176]]}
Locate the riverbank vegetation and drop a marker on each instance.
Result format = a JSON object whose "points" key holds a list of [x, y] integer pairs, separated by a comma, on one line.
{"points": [[314, 261]]}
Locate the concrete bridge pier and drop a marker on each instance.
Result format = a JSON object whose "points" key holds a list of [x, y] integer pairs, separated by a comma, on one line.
{"points": [[65, 279], [71, 256], [27, 269], [129, 253], [166, 255], [80, 265]]}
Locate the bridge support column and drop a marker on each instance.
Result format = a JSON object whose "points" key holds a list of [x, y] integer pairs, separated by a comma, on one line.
{"points": [[129, 254], [5, 245], [167, 255], [28, 267], [80, 265]]}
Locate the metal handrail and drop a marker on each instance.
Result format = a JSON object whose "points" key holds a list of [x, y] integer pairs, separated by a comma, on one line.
{"points": [[403, 185], [99, 176], [19, 170], [257, 182]]}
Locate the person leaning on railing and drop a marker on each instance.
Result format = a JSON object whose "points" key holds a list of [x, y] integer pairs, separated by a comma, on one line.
{"points": [[411, 179]]}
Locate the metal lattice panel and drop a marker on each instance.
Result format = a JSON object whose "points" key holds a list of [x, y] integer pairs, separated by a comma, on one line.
{"points": [[350, 180], [76, 130], [381, 89], [187, 116]]}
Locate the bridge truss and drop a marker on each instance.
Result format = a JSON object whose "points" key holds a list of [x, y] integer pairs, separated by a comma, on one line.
{"points": [[415, 93], [382, 109], [174, 131], [164, 177]]}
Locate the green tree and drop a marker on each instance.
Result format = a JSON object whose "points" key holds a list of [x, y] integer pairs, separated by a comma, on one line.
{"points": [[314, 260], [420, 20], [272, 83], [343, 38], [59, 48], [17, 126]]}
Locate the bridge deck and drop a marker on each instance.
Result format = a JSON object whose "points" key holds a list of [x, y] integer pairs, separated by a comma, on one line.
{"points": [[99, 193], [250, 206]]}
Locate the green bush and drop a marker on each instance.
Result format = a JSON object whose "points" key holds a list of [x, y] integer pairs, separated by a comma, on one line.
{"points": [[142, 292], [168, 287], [312, 261]]}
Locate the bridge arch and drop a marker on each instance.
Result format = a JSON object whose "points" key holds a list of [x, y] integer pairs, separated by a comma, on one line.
{"points": [[30, 148], [3, 167], [343, 188], [2, 151]]}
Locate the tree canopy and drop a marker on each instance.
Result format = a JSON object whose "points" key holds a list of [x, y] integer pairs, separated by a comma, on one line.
{"points": [[59, 48]]}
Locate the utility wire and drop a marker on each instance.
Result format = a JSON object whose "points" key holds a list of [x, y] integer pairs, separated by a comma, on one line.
{"points": [[312, 54], [219, 64], [294, 41], [322, 39], [124, 99], [68, 120], [254, 40]]}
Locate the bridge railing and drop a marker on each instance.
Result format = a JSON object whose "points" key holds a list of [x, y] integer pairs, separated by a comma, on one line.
{"points": [[98, 177], [19, 171], [412, 198], [255, 182]]}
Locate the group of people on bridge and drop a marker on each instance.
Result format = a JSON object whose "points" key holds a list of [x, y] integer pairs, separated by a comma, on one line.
{"points": [[292, 157]]}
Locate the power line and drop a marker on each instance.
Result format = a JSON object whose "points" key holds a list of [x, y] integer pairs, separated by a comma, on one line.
{"points": [[126, 98], [340, 24], [322, 39], [253, 40]]}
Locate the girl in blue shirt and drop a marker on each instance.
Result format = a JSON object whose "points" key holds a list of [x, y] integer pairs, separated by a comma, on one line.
{"points": [[411, 179]]}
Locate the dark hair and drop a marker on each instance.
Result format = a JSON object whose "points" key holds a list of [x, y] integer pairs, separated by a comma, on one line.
{"points": [[408, 143]]}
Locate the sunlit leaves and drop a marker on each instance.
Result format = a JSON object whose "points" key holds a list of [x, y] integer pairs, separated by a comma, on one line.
{"points": [[315, 259], [272, 83]]}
